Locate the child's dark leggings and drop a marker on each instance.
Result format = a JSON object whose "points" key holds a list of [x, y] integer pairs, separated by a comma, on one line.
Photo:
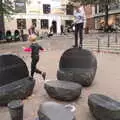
{"points": [[33, 66]]}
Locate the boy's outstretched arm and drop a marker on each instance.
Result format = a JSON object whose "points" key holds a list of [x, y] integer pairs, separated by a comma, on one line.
{"points": [[41, 48]]}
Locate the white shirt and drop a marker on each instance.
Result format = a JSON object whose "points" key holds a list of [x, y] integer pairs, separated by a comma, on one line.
{"points": [[80, 16]]}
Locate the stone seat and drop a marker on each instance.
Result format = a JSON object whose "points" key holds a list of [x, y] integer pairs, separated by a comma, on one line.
{"points": [[63, 90], [77, 65], [54, 111], [103, 107], [15, 82]]}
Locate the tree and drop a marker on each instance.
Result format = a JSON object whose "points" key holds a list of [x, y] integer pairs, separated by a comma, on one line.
{"points": [[105, 4], [6, 8]]}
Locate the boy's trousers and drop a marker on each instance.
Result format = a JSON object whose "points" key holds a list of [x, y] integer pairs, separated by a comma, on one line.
{"points": [[78, 31], [34, 62]]}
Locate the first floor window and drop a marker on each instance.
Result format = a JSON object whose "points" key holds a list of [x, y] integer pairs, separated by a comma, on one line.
{"points": [[21, 23], [46, 8], [34, 22], [44, 24]]}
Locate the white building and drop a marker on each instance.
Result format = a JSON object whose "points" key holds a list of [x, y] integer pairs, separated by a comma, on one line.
{"points": [[40, 12]]}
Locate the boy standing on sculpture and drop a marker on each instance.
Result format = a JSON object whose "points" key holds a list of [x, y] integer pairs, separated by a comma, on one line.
{"points": [[80, 18], [35, 48]]}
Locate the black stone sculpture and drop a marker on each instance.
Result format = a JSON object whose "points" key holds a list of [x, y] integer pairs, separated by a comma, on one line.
{"points": [[77, 65], [54, 111], [16, 109], [103, 107], [15, 82], [63, 90]]}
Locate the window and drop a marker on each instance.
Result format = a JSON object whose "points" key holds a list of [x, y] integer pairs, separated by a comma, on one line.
{"points": [[44, 24], [20, 6], [68, 22], [34, 22], [46, 8], [96, 7], [21, 23], [69, 10], [101, 8]]}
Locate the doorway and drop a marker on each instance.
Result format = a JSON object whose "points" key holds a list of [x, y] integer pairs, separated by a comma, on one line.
{"points": [[54, 25]]}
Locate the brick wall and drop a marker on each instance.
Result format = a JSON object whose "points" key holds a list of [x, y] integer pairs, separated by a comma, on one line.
{"points": [[89, 15]]}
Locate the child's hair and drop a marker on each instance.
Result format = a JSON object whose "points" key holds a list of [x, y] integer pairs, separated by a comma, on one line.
{"points": [[32, 38]]}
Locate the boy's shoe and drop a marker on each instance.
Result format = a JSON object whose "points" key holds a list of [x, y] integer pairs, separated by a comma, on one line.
{"points": [[80, 46], [44, 75], [74, 46]]}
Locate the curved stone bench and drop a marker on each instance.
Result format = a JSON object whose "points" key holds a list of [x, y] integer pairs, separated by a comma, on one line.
{"points": [[54, 111], [77, 65], [103, 107], [15, 82], [63, 90]]}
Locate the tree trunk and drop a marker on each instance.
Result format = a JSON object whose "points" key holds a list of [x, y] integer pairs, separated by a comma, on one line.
{"points": [[106, 17], [2, 27]]}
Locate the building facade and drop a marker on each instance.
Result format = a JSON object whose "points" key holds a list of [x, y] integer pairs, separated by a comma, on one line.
{"points": [[43, 13], [90, 12], [114, 15]]}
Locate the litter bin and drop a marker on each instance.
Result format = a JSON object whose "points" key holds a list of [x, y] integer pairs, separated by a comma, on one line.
{"points": [[16, 109]]}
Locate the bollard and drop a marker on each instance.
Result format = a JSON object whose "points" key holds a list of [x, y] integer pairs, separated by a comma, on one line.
{"points": [[116, 39], [16, 109], [98, 48], [108, 40]]}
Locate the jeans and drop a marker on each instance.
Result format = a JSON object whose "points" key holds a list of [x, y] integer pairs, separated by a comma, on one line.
{"points": [[78, 30]]}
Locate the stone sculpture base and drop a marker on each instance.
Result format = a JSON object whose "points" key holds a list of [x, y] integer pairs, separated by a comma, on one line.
{"points": [[77, 65], [63, 90], [84, 77], [103, 107], [54, 111], [16, 90]]}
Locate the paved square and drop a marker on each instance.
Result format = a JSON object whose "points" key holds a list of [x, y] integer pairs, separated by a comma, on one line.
{"points": [[107, 79]]}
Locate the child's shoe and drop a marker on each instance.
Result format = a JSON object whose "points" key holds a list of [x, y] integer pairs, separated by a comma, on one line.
{"points": [[44, 75]]}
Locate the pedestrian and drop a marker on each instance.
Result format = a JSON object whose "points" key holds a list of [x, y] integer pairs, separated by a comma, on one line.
{"points": [[62, 29], [35, 48], [51, 32], [32, 30], [80, 18]]}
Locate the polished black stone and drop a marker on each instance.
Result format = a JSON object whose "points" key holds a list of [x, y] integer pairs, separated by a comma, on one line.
{"points": [[15, 82], [103, 107], [12, 68], [54, 111], [16, 109], [63, 90], [77, 65]]}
